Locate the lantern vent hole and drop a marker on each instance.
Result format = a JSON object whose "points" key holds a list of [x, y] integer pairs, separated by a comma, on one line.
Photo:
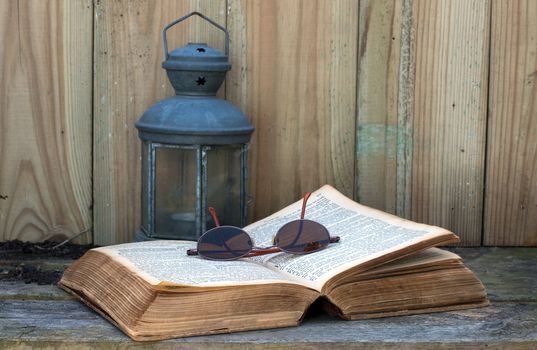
{"points": [[201, 49], [201, 81]]}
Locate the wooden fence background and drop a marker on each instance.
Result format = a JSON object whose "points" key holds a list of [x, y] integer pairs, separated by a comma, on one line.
{"points": [[426, 109]]}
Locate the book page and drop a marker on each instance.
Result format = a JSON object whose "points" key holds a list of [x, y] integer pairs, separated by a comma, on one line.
{"points": [[365, 234], [165, 263]]}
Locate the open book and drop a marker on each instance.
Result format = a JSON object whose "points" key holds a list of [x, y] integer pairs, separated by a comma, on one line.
{"points": [[382, 266]]}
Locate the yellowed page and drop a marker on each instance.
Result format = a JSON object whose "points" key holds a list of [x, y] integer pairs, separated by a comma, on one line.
{"points": [[366, 234], [165, 264]]}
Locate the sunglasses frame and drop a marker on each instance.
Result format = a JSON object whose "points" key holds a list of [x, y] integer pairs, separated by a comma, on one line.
{"points": [[257, 251]]}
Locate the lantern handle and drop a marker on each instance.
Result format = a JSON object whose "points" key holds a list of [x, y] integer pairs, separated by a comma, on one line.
{"points": [[166, 53]]}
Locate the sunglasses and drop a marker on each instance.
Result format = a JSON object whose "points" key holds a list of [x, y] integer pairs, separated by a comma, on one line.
{"points": [[230, 242]]}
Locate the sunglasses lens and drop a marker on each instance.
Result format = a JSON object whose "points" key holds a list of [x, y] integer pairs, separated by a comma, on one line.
{"points": [[302, 236], [224, 243]]}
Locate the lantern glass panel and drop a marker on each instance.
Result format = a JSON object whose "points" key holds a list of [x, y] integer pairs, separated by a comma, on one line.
{"points": [[175, 192], [145, 172], [224, 183]]}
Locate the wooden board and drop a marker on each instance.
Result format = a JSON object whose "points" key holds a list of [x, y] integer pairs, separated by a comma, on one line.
{"points": [[507, 273], [31, 291], [451, 63], [294, 75], [511, 186], [393, 92], [377, 101], [71, 325], [45, 119], [33, 316], [128, 79]]}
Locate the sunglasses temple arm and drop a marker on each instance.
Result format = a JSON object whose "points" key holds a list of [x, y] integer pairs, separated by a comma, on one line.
{"points": [[302, 214], [262, 251], [304, 202], [216, 222], [214, 216]]}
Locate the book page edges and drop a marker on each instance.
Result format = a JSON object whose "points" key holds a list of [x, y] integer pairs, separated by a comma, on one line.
{"points": [[483, 303], [236, 324], [233, 323], [87, 301]]}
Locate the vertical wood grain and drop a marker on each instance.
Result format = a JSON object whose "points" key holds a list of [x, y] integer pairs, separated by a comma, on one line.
{"points": [[45, 119], [451, 65], [385, 100], [128, 79], [511, 186], [405, 113], [378, 90], [295, 77]]}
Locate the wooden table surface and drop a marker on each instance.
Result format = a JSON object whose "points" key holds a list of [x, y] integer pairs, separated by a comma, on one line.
{"points": [[33, 316]]}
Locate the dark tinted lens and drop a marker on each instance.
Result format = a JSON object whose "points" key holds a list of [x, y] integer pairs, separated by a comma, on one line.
{"points": [[302, 236], [224, 243]]}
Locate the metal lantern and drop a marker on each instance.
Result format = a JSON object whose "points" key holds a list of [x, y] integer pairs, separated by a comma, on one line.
{"points": [[194, 147]]}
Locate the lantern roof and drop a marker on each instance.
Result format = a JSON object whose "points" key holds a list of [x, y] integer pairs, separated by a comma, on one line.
{"points": [[194, 120], [197, 57]]}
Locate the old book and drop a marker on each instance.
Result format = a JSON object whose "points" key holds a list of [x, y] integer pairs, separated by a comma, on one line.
{"points": [[382, 266]]}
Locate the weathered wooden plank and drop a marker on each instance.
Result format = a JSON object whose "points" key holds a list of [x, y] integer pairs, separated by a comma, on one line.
{"points": [[17, 290], [378, 91], [296, 79], [45, 123], [405, 113], [44, 263], [450, 97], [28, 324], [507, 273], [511, 190], [128, 79]]}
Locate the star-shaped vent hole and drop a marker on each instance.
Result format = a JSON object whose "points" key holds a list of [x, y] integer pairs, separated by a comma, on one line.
{"points": [[201, 81]]}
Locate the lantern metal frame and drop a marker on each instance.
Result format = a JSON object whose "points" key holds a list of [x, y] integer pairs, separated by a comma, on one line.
{"points": [[194, 120]]}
